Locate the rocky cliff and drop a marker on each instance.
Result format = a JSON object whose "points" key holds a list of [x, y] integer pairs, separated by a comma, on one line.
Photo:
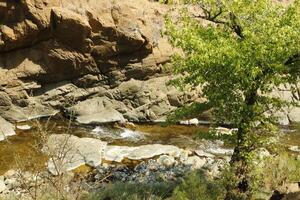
{"points": [[104, 57]]}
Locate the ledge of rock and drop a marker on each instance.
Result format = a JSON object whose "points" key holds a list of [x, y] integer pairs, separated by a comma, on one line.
{"points": [[6, 129], [68, 152], [118, 153]]}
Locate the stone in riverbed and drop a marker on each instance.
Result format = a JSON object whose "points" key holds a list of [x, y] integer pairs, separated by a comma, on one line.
{"points": [[118, 153], [6, 129], [195, 162], [2, 185], [193, 121], [220, 151], [68, 152], [166, 161], [202, 153], [294, 148], [24, 127]]}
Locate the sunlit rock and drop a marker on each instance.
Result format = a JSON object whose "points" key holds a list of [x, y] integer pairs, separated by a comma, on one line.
{"points": [[195, 162], [6, 129], [24, 127], [67, 152], [118, 153], [166, 161]]}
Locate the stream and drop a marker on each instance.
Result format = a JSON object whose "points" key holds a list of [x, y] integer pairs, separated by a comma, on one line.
{"points": [[24, 146]]}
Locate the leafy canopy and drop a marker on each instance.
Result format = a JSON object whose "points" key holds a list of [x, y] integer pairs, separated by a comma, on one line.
{"points": [[244, 50]]}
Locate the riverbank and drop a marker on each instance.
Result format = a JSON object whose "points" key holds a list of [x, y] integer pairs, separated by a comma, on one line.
{"points": [[141, 153]]}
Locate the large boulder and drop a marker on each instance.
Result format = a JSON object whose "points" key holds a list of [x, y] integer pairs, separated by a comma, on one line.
{"points": [[289, 113], [6, 129], [68, 152], [97, 110]]}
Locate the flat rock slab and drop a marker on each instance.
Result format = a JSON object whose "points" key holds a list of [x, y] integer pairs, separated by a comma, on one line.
{"points": [[118, 153], [68, 152], [202, 153], [105, 115], [6, 129], [98, 110], [220, 151]]}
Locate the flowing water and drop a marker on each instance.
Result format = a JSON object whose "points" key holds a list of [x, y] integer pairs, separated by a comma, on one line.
{"points": [[23, 149]]}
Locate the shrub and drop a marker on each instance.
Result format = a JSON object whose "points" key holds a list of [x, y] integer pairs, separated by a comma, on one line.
{"points": [[133, 191], [197, 186]]}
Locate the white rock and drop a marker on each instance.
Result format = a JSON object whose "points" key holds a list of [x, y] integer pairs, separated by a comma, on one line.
{"points": [[294, 148], [283, 120], [10, 173], [263, 153], [6, 129], [186, 122], [225, 131], [184, 154], [24, 127], [107, 115], [12, 183], [202, 153], [227, 159], [193, 121], [294, 114], [118, 153], [2, 186], [220, 151], [149, 151], [97, 110], [195, 162], [98, 129], [69, 152], [166, 161], [214, 170], [292, 187]]}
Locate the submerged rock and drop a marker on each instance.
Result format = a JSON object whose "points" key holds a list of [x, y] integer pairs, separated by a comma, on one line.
{"points": [[6, 129], [118, 153], [68, 152]]}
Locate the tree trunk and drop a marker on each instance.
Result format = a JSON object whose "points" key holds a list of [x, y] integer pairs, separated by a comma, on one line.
{"points": [[239, 187]]}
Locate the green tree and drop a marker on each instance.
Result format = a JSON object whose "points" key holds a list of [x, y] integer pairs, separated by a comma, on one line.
{"points": [[243, 51]]}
